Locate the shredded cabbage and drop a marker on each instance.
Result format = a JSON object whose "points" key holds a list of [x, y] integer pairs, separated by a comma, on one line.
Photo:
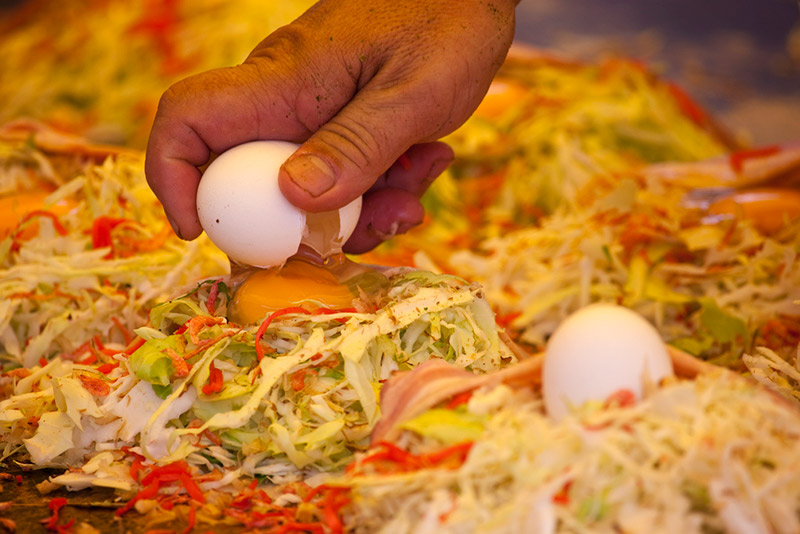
{"points": [[307, 405], [552, 206], [60, 291], [71, 70], [714, 455]]}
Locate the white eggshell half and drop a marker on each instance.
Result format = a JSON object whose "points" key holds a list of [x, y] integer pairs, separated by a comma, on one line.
{"points": [[598, 351], [348, 218], [327, 231], [241, 207]]}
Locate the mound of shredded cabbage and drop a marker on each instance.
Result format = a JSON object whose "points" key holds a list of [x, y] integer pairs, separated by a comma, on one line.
{"points": [[714, 455], [93, 272], [713, 288], [298, 393], [99, 68], [573, 125], [551, 206]]}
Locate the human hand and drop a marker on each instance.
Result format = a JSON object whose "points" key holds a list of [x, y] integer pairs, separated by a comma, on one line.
{"points": [[359, 84]]}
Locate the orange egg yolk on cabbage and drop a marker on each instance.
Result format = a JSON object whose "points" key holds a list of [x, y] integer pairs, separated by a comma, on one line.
{"points": [[298, 283], [15, 207]]}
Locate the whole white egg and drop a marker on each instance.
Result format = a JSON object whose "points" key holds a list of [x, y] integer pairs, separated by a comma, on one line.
{"points": [[597, 351], [244, 213]]}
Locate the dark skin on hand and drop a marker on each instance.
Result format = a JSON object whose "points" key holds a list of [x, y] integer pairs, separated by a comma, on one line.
{"points": [[367, 87]]}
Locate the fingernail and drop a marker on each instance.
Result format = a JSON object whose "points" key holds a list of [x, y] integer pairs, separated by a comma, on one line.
{"points": [[311, 173], [174, 226], [394, 229]]}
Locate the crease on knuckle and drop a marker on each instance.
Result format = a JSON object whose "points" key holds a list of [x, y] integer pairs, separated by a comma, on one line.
{"points": [[357, 142], [312, 91]]}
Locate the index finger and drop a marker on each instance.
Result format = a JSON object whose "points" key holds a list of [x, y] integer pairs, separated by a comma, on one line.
{"points": [[174, 153], [210, 112]]}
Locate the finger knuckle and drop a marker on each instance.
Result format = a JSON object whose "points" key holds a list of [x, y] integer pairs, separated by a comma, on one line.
{"points": [[357, 143]]}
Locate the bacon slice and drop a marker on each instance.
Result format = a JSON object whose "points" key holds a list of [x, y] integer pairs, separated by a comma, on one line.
{"points": [[409, 393], [52, 141], [687, 366], [778, 166]]}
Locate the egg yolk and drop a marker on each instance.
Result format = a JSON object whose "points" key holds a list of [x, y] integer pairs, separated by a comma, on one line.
{"points": [[502, 95], [769, 209], [13, 208], [298, 283]]}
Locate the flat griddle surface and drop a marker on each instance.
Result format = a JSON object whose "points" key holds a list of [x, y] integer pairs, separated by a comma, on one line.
{"points": [[95, 506]]}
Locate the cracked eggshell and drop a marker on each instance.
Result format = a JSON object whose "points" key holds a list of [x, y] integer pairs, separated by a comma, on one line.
{"points": [[597, 351], [244, 213]]}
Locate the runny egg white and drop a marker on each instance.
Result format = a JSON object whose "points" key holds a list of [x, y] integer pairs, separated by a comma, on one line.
{"points": [[242, 210], [598, 351]]}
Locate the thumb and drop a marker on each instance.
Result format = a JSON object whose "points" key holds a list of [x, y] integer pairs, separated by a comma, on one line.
{"points": [[413, 85], [345, 157]]}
